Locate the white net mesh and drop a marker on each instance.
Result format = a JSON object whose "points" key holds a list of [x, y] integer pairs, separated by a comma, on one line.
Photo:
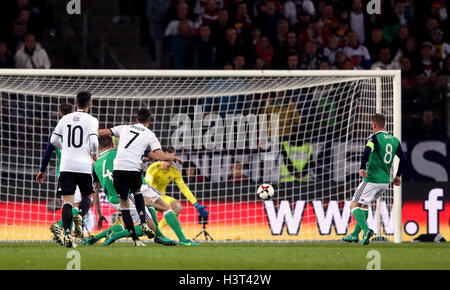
{"points": [[304, 135]]}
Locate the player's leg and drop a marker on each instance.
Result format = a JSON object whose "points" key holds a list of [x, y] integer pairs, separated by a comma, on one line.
{"points": [[95, 238], [175, 206], [354, 236], [68, 185], [152, 197], [122, 189], [78, 214], [172, 220], [57, 229], [114, 236], [364, 197], [141, 210], [376, 190]]}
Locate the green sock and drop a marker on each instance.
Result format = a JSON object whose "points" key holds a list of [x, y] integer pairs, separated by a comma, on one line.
{"points": [[126, 233], [360, 217], [116, 228], [357, 227], [152, 211], [74, 212], [173, 222]]}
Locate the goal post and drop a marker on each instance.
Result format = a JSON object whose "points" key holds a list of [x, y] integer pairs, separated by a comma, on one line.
{"points": [[303, 132]]}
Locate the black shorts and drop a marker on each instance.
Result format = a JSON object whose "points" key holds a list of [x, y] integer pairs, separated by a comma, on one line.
{"points": [[68, 181], [126, 181]]}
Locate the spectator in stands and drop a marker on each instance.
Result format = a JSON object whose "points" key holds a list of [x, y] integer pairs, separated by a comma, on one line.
{"points": [[16, 37], [353, 48], [431, 25], [201, 7], [330, 51], [182, 14], [31, 24], [6, 60], [236, 173], [268, 18], [294, 8], [31, 55], [260, 64], [303, 21], [343, 28], [441, 49], [209, 14], [242, 21], [239, 62], [228, 51], [311, 58], [292, 62], [426, 63], [385, 60], [279, 44], [375, 42], [358, 20], [191, 173], [393, 20], [339, 60], [429, 127], [328, 20], [324, 65], [219, 28], [408, 77], [315, 33], [264, 50], [398, 45], [204, 49], [181, 46]]}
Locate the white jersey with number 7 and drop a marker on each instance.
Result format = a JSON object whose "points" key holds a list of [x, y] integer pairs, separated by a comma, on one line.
{"points": [[134, 140]]}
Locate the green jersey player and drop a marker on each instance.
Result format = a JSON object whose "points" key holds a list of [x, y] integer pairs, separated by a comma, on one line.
{"points": [[103, 176], [375, 168]]}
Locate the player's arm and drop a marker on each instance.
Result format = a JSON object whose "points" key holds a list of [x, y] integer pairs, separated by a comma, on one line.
{"points": [[370, 146], [114, 131], [401, 155], [96, 199], [188, 194], [57, 134], [159, 155], [45, 160]]}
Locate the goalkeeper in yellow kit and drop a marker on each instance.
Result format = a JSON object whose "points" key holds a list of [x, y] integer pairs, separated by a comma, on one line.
{"points": [[159, 175]]}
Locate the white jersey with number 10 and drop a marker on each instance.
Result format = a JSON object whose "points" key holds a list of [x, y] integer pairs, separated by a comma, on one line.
{"points": [[75, 129], [134, 140]]}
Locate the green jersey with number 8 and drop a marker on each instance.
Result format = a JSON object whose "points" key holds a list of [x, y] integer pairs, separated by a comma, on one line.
{"points": [[384, 147]]}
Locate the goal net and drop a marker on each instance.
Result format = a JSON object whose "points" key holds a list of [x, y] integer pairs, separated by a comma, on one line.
{"points": [[303, 132]]}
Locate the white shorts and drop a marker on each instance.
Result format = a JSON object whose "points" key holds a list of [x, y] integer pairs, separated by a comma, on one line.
{"points": [[151, 192], [146, 191], [368, 192], [133, 212]]}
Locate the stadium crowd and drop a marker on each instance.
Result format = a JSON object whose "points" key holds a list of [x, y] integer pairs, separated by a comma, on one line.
{"points": [[408, 35], [22, 24]]}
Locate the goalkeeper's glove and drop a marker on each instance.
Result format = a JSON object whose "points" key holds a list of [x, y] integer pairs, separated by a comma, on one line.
{"points": [[201, 210]]}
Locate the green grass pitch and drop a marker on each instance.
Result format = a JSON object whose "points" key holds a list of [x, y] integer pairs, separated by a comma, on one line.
{"points": [[227, 256]]}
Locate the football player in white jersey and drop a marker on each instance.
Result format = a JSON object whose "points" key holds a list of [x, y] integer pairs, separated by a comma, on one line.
{"points": [[135, 139], [77, 136]]}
